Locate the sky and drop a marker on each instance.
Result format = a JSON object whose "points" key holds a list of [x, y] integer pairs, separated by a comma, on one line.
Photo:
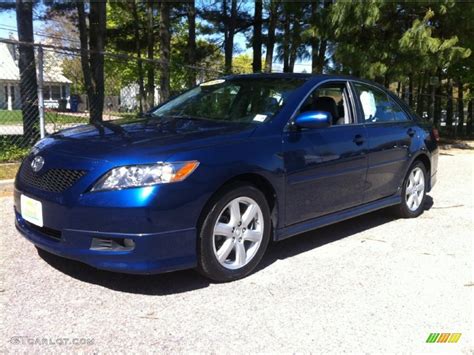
{"points": [[7, 20], [8, 28]]}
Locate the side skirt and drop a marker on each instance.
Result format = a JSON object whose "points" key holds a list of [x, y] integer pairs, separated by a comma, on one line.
{"points": [[335, 217]]}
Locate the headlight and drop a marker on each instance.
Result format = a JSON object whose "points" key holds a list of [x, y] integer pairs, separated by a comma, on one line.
{"points": [[145, 175]]}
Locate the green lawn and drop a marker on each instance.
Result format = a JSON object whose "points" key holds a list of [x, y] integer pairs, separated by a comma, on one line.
{"points": [[15, 117]]}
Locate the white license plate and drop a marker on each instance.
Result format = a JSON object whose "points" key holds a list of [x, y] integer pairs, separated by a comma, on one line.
{"points": [[31, 210]]}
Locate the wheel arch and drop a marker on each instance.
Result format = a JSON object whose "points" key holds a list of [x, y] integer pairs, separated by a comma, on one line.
{"points": [[425, 159], [255, 179]]}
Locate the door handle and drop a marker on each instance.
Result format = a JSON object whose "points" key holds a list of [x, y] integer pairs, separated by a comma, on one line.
{"points": [[411, 132], [358, 139]]}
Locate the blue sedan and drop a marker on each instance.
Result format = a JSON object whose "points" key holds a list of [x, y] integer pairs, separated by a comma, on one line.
{"points": [[208, 178]]}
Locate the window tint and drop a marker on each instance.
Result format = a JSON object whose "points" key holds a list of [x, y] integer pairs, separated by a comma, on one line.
{"points": [[331, 98], [377, 106], [399, 114]]}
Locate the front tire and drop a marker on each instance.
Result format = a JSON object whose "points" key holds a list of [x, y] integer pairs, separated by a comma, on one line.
{"points": [[413, 192], [234, 234]]}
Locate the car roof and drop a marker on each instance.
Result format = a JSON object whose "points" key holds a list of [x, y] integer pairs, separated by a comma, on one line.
{"points": [[289, 75], [315, 78]]}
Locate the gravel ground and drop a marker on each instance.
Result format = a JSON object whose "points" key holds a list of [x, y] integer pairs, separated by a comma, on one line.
{"points": [[372, 284]]}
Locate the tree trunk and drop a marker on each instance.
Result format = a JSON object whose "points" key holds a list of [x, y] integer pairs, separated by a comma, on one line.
{"points": [[418, 92], [469, 118], [191, 12], [449, 106], [165, 44], [437, 102], [410, 90], [27, 67], [92, 55], [319, 46], [141, 88], [323, 44], [229, 41], [460, 107], [84, 40], [314, 56], [257, 37], [271, 35], [150, 55], [314, 40], [386, 80], [225, 16], [286, 43], [294, 43], [97, 23]]}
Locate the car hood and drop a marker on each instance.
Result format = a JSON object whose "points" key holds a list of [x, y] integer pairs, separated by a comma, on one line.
{"points": [[142, 138]]}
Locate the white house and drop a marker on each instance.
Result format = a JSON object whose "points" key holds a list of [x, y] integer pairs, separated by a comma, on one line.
{"points": [[55, 85], [129, 96]]}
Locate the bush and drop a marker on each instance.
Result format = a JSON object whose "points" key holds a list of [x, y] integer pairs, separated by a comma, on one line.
{"points": [[11, 151]]}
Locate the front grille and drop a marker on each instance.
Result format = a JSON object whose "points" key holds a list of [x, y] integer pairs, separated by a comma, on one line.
{"points": [[45, 231], [52, 180]]}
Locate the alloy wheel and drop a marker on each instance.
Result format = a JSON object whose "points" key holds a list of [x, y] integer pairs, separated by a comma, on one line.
{"points": [[415, 189], [238, 233]]}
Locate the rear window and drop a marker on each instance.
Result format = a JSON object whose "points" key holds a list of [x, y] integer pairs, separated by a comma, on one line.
{"points": [[378, 106]]}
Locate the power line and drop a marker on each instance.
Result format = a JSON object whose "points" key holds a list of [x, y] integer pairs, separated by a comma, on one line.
{"points": [[121, 56], [40, 34]]}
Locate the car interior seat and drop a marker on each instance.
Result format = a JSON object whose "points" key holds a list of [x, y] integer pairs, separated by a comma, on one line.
{"points": [[328, 104]]}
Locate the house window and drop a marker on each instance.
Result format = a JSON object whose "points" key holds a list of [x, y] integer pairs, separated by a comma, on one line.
{"points": [[55, 92], [6, 93]]}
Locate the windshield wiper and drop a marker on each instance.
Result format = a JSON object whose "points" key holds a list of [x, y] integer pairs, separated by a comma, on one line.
{"points": [[184, 117]]}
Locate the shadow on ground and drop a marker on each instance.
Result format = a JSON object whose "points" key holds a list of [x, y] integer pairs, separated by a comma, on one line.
{"points": [[188, 280]]}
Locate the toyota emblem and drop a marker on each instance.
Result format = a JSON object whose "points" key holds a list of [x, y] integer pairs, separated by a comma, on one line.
{"points": [[37, 163]]}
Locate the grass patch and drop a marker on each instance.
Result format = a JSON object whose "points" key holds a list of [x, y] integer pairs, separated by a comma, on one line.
{"points": [[8, 171], [15, 117]]}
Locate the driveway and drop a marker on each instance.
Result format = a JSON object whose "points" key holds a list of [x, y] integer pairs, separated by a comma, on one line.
{"points": [[373, 284]]}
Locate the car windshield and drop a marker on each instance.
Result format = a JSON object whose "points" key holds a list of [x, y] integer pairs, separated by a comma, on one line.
{"points": [[237, 100]]}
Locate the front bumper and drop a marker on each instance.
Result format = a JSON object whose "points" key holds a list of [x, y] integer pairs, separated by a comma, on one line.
{"points": [[154, 251]]}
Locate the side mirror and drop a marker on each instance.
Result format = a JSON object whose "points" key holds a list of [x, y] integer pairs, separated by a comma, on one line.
{"points": [[313, 119]]}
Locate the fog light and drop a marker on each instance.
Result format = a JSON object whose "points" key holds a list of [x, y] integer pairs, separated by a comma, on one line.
{"points": [[115, 244]]}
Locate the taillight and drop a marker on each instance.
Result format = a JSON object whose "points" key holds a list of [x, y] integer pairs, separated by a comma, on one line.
{"points": [[436, 134]]}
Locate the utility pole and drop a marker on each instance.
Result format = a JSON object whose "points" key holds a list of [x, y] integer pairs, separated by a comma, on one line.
{"points": [[40, 91]]}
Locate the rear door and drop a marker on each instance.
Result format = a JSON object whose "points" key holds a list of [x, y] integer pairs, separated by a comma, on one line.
{"points": [[390, 132], [325, 167]]}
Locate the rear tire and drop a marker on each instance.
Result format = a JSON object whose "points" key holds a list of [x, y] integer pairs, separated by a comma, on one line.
{"points": [[234, 234], [413, 192]]}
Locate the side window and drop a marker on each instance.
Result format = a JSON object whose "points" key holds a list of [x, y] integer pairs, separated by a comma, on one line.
{"points": [[377, 106], [399, 114], [332, 98]]}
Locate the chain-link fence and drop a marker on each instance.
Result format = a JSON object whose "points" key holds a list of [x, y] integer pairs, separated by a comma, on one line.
{"points": [[52, 92]]}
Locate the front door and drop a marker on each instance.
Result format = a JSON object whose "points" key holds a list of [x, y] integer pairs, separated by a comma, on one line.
{"points": [[325, 167]]}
